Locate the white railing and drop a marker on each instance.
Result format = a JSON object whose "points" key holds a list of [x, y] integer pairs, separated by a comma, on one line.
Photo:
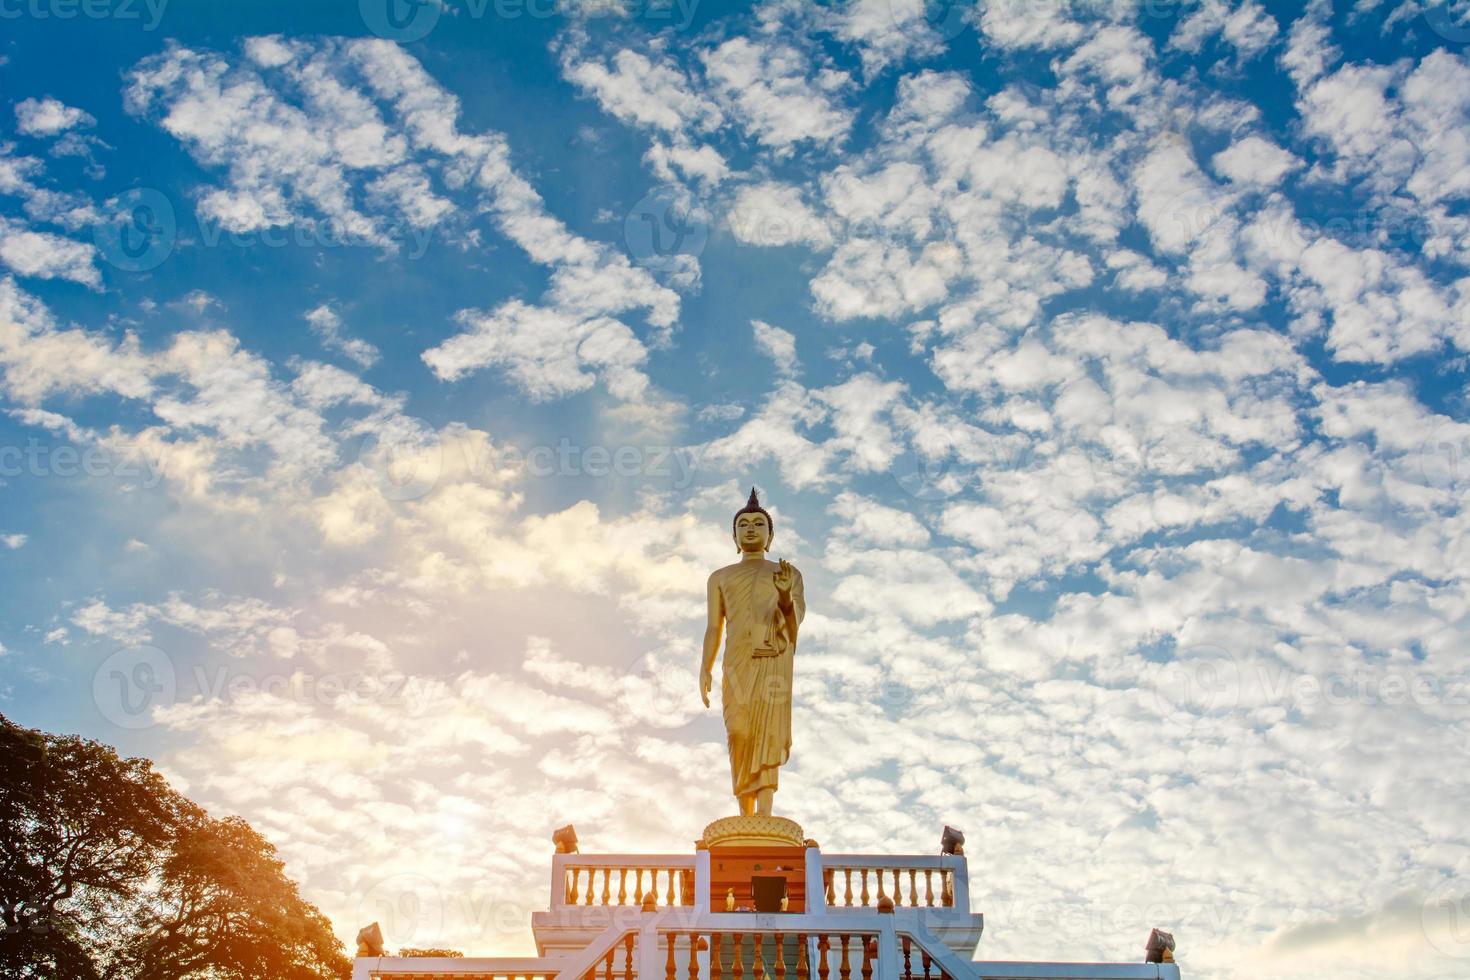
{"points": [[1002, 970], [688, 945], [692, 944], [861, 881], [478, 968], [581, 880], [613, 954]]}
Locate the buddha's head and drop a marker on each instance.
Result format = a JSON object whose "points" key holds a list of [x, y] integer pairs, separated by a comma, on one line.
{"points": [[753, 527]]}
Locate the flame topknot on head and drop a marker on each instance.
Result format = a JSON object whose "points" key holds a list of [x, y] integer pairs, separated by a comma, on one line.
{"points": [[753, 506]]}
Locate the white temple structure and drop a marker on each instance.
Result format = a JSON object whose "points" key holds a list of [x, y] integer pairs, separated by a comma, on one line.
{"points": [[669, 917]]}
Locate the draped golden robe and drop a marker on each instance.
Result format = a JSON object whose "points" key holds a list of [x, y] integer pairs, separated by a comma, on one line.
{"points": [[756, 690]]}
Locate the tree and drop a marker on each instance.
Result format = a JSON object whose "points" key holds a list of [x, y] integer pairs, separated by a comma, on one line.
{"points": [[109, 874], [80, 829]]}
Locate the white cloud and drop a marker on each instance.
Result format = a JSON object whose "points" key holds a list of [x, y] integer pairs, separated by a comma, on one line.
{"points": [[39, 359], [779, 345], [544, 351], [1310, 50], [771, 214], [775, 94], [1018, 24], [886, 31], [872, 525], [636, 89], [48, 117], [14, 541], [329, 113], [1135, 272], [724, 412], [1246, 26], [326, 323], [44, 255], [1254, 160]]}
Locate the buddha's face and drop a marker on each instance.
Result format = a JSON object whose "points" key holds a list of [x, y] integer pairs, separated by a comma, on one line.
{"points": [[752, 533]]}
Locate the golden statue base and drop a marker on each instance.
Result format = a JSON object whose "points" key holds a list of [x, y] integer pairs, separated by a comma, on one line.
{"points": [[756, 831]]}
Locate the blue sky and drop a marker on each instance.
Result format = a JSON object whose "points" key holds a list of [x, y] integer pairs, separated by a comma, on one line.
{"points": [[378, 383]]}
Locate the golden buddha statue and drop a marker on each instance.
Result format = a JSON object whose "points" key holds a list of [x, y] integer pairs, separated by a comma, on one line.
{"points": [[758, 605]]}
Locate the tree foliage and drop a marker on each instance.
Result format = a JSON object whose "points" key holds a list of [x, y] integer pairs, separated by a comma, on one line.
{"points": [[109, 874]]}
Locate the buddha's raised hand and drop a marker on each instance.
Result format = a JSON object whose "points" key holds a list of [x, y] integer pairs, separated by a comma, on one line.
{"points": [[783, 578]]}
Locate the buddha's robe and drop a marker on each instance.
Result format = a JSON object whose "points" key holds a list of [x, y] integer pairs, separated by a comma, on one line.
{"points": [[756, 690]]}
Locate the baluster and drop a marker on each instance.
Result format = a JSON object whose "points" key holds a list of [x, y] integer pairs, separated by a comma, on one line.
{"points": [[590, 897], [669, 968], [671, 888], [927, 961], [803, 968], [757, 959], [637, 886], [881, 893], [824, 971], [908, 970], [947, 877], [897, 889], [914, 887], [737, 967], [607, 972], [864, 873], [694, 956], [572, 894], [628, 957], [848, 893], [844, 969], [867, 957], [827, 877], [929, 887], [622, 886], [606, 886], [716, 942], [780, 938]]}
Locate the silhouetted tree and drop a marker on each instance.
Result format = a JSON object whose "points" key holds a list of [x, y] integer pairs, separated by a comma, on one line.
{"points": [[109, 874]]}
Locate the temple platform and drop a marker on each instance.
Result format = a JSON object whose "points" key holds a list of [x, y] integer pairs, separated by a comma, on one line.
{"points": [[694, 917]]}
